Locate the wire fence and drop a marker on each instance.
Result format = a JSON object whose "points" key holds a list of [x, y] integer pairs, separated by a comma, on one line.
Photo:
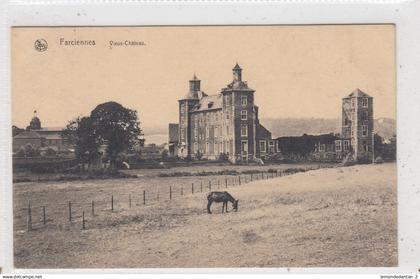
{"points": [[75, 213]]}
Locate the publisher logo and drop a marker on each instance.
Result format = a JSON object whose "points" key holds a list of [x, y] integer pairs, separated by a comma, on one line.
{"points": [[41, 45]]}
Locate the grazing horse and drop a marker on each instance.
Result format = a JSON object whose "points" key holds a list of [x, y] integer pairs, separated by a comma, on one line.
{"points": [[224, 197]]}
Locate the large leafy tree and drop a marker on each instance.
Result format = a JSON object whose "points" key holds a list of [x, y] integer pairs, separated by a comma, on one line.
{"points": [[117, 127], [80, 133]]}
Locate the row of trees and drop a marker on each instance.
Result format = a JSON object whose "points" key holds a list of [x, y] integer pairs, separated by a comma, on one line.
{"points": [[110, 125]]}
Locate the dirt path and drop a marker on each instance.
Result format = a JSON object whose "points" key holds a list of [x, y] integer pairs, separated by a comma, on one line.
{"points": [[330, 217]]}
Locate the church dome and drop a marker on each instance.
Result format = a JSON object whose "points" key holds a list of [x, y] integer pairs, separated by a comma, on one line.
{"points": [[35, 123]]}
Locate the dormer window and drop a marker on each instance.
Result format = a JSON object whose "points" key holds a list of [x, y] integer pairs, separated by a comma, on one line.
{"points": [[210, 105]]}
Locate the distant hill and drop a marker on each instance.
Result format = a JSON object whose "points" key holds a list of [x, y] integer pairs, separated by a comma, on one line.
{"points": [[385, 127]]}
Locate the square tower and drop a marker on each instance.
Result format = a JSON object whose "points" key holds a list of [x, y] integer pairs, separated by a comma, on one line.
{"points": [[357, 125], [185, 106], [238, 102]]}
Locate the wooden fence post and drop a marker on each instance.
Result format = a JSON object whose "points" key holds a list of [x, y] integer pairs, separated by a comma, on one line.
{"points": [[93, 208], [83, 220], [225, 182], [157, 195], [239, 180], [192, 188], [112, 202], [44, 219], [69, 211], [170, 192], [29, 217], [201, 186], [182, 191], [209, 185], [144, 197]]}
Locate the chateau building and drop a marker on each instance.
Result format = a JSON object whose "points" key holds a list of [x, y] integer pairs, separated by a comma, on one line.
{"points": [[226, 123]]}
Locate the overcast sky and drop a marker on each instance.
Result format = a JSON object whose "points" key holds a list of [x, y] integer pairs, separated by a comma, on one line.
{"points": [[297, 71]]}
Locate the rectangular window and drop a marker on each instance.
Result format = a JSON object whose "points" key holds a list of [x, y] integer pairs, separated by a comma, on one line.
{"points": [[244, 115], [365, 102], [244, 130], [346, 146], [195, 147], [227, 130], [195, 133], [182, 134], [216, 131], [346, 121], [352, 103], [220, 131], [244, 146], [321, 147], [364, 130], [244, 100], [207, 148], [365, 115], [263, 146], [207, 132], [278, 146], [271, 146], [338, 145]]}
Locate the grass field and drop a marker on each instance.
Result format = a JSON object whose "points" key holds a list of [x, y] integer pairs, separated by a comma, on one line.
{"points": [[336, 217]]}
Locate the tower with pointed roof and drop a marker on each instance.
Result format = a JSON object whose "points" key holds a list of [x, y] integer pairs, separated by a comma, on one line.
{"points": [[225, 123], [357, 125], [238, 103]]}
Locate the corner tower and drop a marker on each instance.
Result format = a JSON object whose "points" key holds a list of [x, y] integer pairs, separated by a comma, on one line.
{"points": [[241, 118], [357, 125], [185, 106]]}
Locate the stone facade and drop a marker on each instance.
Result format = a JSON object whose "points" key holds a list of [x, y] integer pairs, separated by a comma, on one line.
{"points": [[223, 124], [357, 125]]}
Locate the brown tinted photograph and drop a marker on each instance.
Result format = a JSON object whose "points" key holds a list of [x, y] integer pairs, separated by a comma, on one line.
{"points": [[204, 146]]}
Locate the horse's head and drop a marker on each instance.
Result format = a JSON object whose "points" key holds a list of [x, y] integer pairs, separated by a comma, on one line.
{"points": [[235, 205]]}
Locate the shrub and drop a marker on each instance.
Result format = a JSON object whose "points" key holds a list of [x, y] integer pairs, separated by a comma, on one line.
{"points": [[379, 160]]}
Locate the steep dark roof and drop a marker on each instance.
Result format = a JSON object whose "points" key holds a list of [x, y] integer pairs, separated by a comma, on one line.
{"points": [[27, 135], [237, 67], [263, 132], [210, 102], [358, 93], [324, 138]]}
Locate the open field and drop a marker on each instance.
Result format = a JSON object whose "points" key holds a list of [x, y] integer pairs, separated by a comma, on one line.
{"points": [[330, 217]]}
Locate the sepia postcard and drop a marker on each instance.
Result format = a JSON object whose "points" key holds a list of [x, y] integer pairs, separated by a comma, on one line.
{"points": [[204, 146]]}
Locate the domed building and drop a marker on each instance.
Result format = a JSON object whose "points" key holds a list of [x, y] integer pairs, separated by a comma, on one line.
{"points": [[41, 138]]}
